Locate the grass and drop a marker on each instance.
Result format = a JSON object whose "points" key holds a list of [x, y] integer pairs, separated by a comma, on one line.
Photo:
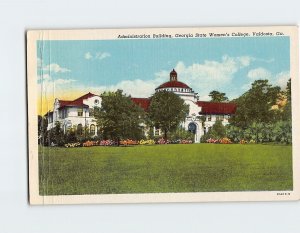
{"points": [[165, 168]]}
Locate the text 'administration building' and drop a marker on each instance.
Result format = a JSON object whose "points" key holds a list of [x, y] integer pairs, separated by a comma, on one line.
{"points": [[78, 113]]}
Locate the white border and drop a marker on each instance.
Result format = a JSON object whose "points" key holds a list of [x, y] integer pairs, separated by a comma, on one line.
{"points": [[111, 34]]}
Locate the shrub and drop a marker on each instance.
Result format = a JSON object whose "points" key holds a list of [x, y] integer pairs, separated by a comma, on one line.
{"points": [[216, 131], [211, 140], [162, 141], [75, 144], [225, 141], [243, 141], [146, 142], [128, 142], [107, 143]]}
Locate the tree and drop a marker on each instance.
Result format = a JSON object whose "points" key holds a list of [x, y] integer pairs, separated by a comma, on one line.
{"points": [[217, 96], [118, 117], [55, 136], [287, 110], [256, 105], [217, 131], [42, 129], [167, 110]]}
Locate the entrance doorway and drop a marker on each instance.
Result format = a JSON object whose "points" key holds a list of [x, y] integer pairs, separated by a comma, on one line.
{"points": [[192, 127]]}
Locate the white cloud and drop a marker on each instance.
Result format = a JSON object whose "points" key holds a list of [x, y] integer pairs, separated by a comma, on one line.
{"points": [[43, 78], [259, 73], [101, 56], [88, 56], [282, 78], [63, 81], [209, 75], [50, 68], [48, 86], [96, 56], [202, 77], [55, 68], [135, 88], [279, 79]]}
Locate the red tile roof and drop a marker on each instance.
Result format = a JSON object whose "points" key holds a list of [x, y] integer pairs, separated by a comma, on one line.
{"points": [[144, 103], [76, 102], [173, 84], [63, 103], [217, 108]]}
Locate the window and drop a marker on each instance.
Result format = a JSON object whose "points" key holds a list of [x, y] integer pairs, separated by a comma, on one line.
{"points": [[92, 129], [50, 118], [209, 118], [64, 113], [222, 117], [217, 117], [79, 112], [156, 133]]}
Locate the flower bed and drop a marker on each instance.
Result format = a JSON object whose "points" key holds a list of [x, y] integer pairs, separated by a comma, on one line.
{"points": [[146, 142], [243, 141], [211, 140], [225, 141], [162, 141], [107, 143], [128, 142], [75, 144]]}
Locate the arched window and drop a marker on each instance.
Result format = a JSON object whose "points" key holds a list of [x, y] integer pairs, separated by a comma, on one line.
{"points": [[92, 129], [79, 129], [192, 127]]}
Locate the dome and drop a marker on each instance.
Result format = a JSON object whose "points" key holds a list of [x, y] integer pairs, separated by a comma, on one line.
{"points": [[173, 84]]}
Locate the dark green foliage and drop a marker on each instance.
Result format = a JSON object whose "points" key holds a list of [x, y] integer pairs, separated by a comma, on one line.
{"points": [[278, 132], [255, 105], [181, 134], [55, 136], [119, 118], [167, 110], [217, 131], [151, 133], [287, 110], [282, 132], [71, 136], [217, 96], [42, 129]]}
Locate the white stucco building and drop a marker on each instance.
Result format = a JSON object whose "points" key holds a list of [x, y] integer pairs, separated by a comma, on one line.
{"points": [[78, 113]]}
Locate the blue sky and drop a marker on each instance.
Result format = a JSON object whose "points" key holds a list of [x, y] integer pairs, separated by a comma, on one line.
{"points": [[138, 66]]}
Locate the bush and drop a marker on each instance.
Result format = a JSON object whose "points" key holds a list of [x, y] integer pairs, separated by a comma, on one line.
{"points": [[162, 141], [211, 140], [75, 144], [146, 142], [128, 142], [279, 132], [217, 131], [225, 141], [180, 134]]}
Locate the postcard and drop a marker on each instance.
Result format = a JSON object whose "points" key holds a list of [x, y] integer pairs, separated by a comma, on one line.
{"points": [[149, 115]]}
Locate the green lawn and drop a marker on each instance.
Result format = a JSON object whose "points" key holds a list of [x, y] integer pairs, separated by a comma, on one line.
{"points": [[164, 168]]}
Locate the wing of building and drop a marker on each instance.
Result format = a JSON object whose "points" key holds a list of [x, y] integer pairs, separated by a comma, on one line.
{"points": [[78, 113]]}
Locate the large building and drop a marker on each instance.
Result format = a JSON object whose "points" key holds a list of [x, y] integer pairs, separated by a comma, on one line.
{"points": [[78, 113]]}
